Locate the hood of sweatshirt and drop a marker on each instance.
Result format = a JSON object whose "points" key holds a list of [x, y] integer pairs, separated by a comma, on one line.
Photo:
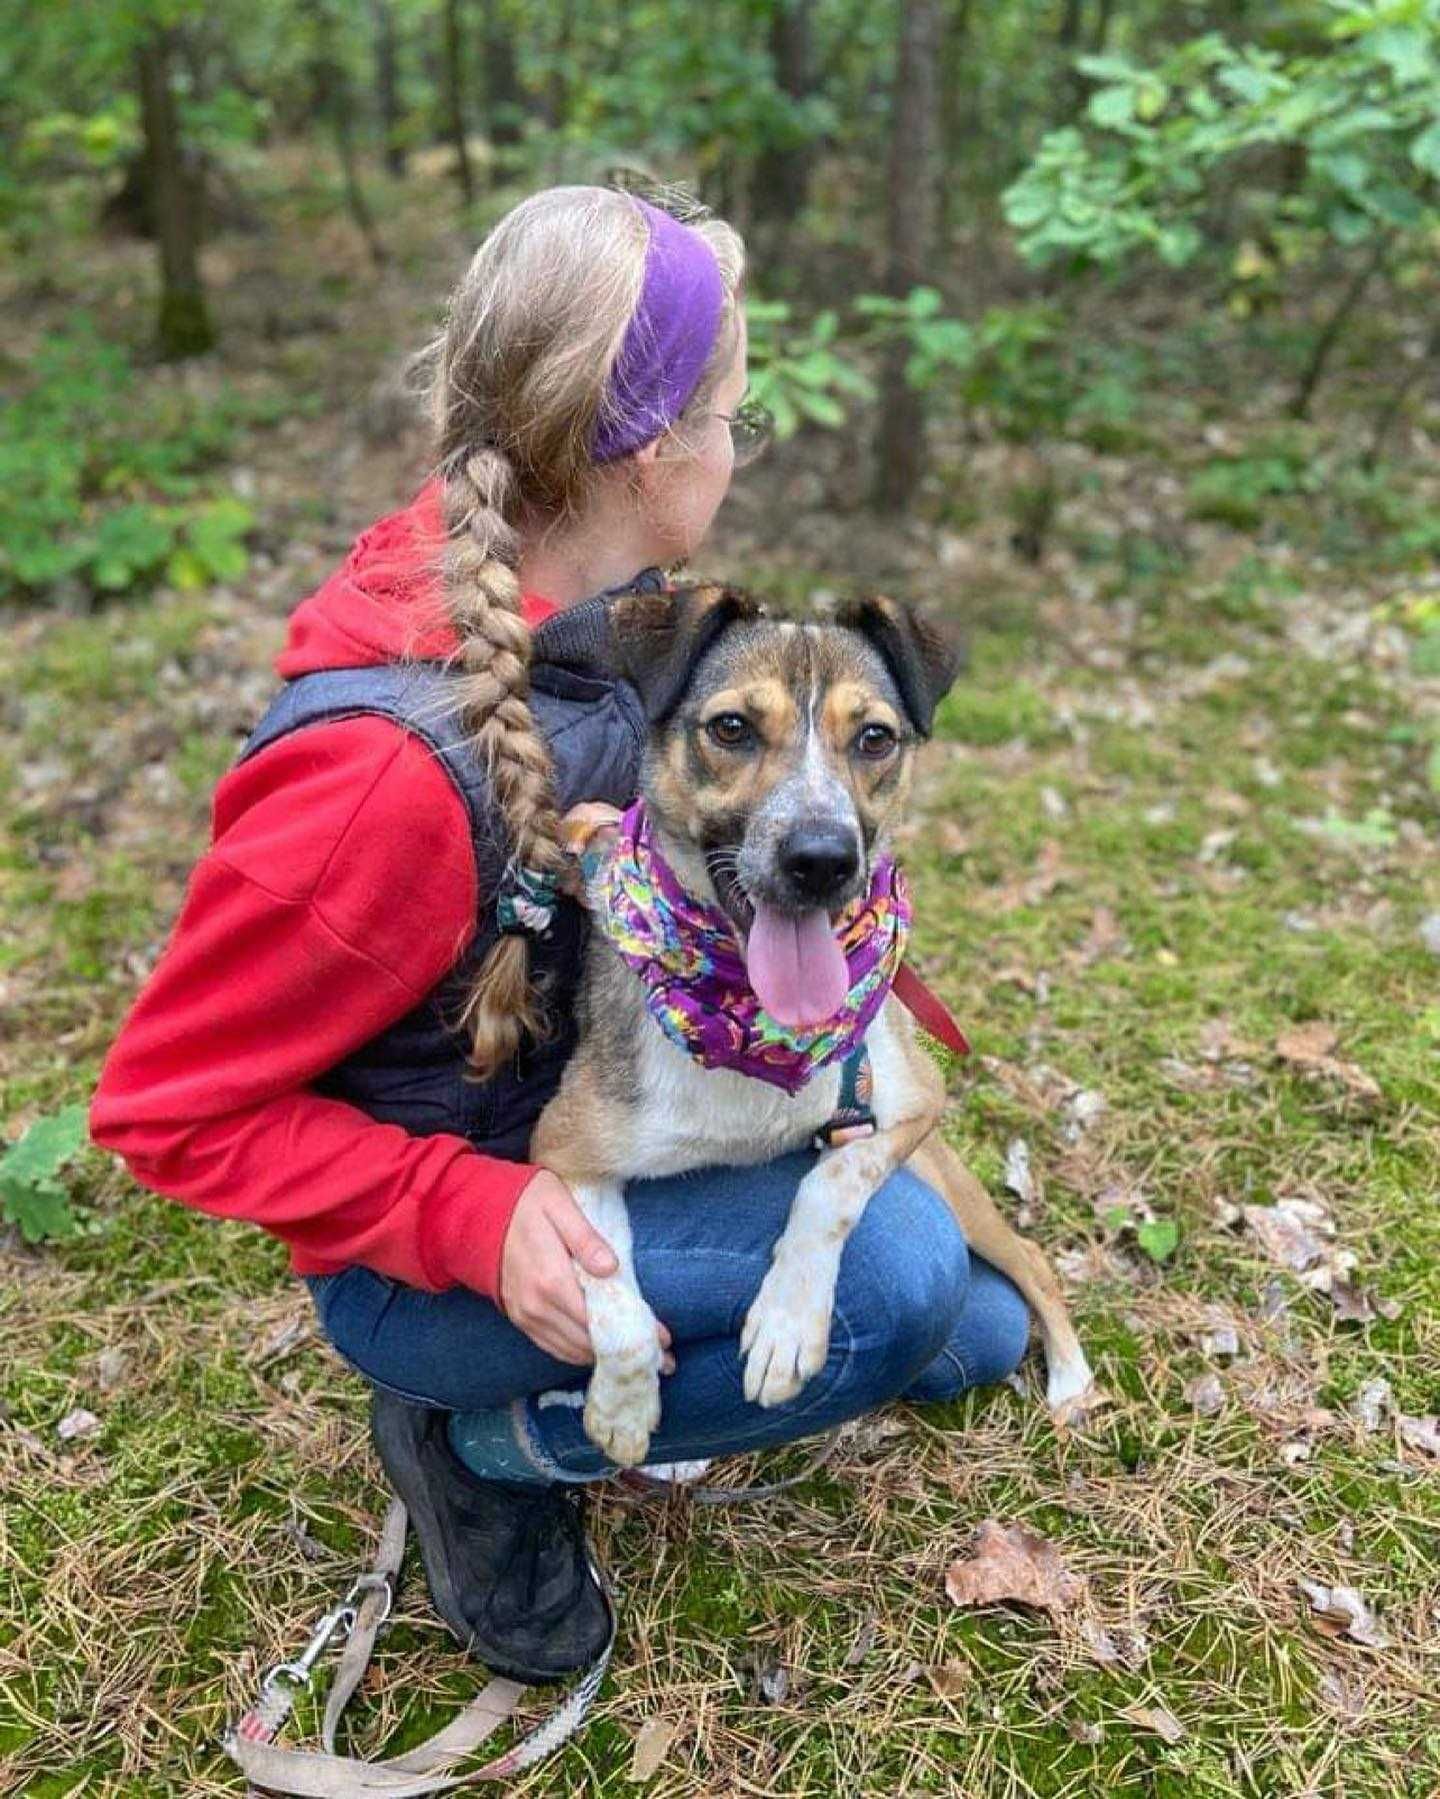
{"points": [[384, 601]]}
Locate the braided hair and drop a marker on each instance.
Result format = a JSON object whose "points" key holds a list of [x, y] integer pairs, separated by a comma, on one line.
{"points": [[532, 332]]}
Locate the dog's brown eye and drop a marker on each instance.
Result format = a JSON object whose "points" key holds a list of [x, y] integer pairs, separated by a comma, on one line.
{"points": [[731, 730], [875, 741]]}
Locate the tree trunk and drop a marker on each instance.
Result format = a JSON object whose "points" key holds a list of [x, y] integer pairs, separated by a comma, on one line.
{"points": [[1333, 328], [387, 87], [1071, 85], [782, 175], [959, 120], [911, 205], [504, 101], [1100, 37], [454, 72], [184, 327], [331, 85]]}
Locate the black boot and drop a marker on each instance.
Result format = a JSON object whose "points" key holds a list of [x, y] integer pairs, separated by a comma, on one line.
{"points": [[508, 1566]]}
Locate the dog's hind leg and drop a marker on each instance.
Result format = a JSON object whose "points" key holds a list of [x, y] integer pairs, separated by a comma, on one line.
{"points": [[990, 1235], [622, 1402]]}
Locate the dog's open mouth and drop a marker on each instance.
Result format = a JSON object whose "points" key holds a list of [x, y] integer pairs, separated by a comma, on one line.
{"points": [[794, 960]]}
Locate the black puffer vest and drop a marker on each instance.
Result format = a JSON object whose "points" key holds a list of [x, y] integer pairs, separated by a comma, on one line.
{"points": [[414, 1073]]}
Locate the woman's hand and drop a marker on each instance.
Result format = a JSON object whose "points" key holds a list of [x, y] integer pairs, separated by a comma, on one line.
{"points": [[539, 1293]]}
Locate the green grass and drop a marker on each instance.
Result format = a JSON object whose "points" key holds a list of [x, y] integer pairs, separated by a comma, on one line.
{"points": [[1157, 744]]}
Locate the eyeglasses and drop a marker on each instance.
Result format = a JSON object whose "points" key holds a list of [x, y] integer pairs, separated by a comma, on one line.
{"points": [[751, 428]]}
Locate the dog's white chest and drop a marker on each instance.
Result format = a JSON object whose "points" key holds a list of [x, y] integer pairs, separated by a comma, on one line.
{"points": [[694, 1117]]}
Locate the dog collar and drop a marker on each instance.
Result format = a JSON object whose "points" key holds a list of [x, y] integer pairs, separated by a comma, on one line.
{"points": [[689, 961]]}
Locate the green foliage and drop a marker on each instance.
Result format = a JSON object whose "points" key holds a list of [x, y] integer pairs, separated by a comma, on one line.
{"points": [[799, 371], [101, 477], [31, 1196], [1233, 490], [936, 346], [1360, 105]]}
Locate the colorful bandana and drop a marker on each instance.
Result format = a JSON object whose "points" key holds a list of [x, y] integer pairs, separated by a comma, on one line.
{"points": [[689, 959]]}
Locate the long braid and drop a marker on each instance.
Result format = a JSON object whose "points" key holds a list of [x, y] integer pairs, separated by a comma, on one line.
{"points": [[483, 589], [519, 375]]}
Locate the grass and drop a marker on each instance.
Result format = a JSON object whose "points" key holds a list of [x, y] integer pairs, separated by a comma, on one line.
{"points": [[1114, 857]]}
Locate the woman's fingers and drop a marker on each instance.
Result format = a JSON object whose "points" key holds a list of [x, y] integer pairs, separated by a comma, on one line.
{"points": [[581, 1238]]}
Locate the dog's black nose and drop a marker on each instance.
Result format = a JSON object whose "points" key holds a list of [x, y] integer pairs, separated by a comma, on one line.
{"points": [[818, 861]]}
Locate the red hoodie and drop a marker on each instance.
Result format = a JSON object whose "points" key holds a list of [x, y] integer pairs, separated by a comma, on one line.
{"points": [[339, 888]]}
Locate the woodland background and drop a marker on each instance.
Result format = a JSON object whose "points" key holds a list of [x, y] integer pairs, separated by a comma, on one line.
{"points": [[1110, 327]]}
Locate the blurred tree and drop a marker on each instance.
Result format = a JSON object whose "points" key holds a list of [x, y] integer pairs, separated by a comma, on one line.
{"points": [[782, 172], [453, 71], [183, 325], [387, 86], [910, 229]]}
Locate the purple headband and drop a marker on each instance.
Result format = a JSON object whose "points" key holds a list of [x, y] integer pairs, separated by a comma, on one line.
{"points": [[667, 342]]}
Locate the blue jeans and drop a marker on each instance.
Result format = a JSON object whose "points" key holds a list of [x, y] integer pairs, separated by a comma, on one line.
{"points": [[916, 1317]]}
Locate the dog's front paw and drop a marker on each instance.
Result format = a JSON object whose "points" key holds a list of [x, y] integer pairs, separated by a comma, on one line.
{"points": [[786, 1336], [622, 1405]]}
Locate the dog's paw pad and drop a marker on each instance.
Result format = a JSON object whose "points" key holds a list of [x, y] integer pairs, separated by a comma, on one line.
{"points": [[622, 1408]]}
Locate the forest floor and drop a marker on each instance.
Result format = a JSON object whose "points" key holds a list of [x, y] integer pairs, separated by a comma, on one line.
{"points": [[1174, 860]]}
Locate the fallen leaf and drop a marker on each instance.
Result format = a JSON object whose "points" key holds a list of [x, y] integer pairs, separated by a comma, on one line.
{"points": [[1294, 1453], [1018, 1178], [1310, 1047], [1081, 1730], [1219, 1043], [1370, 1404], [1205, 1395], [772, 1684], [863, 1644], [950, 1679], [1098, 1641], [1353, 1305], [1157, 1718], [111, 1366], [1007, 1562], [1082, 1110], [1420, 1433], [652, 1745], [1307, 1045], [1345, 1698], [1105, 939], [1341, 1612], [1292, 1232], [78, 1423]]}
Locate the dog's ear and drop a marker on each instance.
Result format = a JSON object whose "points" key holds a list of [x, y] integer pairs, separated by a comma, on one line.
{"points": [[658, 638], [923, 656]]}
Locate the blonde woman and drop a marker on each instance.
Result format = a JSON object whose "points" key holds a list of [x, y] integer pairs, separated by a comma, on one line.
{"points": [[364, 1003]]}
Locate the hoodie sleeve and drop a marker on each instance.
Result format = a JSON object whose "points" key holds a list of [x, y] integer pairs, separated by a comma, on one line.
{"points": [[339, 889]]}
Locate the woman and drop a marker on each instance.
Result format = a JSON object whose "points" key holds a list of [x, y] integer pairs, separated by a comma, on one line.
{"points": [[365, 1001]]}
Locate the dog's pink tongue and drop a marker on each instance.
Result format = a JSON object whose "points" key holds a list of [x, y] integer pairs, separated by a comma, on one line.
{"points": [[796, 966]]}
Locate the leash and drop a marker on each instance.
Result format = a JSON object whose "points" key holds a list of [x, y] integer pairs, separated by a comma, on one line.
{"points": [[928, 1010], [311, 1774]]}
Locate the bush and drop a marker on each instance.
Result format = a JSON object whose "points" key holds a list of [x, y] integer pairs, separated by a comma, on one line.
{"points": [[101, 477]]}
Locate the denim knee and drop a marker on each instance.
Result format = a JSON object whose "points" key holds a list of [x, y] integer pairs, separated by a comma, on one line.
{"points": [[903, 1279]]}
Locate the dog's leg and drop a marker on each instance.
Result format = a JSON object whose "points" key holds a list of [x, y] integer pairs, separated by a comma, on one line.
{"points": [[787, 1329], [990, 1235], [622, 1403]]}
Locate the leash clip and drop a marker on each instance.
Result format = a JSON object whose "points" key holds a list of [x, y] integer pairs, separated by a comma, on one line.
{"points": [[297, 1673], [371, 1583]]}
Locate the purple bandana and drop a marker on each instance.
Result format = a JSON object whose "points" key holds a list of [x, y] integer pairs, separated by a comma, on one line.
{"points": [[667, 342], [696, 988]]}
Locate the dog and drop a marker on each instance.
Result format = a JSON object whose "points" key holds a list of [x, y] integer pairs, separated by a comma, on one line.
{"points": [[778, 760]]}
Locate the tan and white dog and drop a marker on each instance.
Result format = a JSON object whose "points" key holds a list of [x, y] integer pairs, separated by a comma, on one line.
{"points": [[779, 758]]}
